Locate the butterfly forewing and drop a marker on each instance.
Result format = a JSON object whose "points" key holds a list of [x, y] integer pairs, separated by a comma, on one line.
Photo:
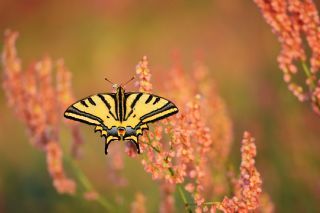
{"points": [[144, 108], [95, 110]]}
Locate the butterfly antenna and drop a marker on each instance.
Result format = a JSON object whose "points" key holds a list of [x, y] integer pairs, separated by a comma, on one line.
{"points": [[123, 84], [108, 81]]}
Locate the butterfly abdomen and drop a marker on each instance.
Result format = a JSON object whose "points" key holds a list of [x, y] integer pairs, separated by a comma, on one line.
{"points": [[120, 103]]}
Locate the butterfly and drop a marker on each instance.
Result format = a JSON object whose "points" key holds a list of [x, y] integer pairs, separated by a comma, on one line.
{"points": [[120, 115]]}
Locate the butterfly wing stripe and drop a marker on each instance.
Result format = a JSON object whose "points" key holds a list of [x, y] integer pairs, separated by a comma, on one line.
{"points": [[107, 105], [104, 101], [169, 105], [131, 111], [161, 115], [156, 101], [149, 99], [121, 107], [116, 101], [80, 118], [134, 102], [91, 101], [161, 112], [83, 102], [75, 114]]}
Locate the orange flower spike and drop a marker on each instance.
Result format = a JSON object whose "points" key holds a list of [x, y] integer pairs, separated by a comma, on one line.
{"points": [[250, 179], [47, 95], [32, 96], [248, 188], [287, 28], [64, 91], [309, 16], [64, 99], [10, 61], [294, 21], [24, 100], [54, 163], [12, 84], [21, 90], [144, 76], [195, 151]]}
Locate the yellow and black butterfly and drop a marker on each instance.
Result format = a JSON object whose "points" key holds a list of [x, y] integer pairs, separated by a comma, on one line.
{"points": [[121, 115]]}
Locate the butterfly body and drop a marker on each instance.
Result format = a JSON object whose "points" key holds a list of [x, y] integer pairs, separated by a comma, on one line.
{"points": [[121, 115]]}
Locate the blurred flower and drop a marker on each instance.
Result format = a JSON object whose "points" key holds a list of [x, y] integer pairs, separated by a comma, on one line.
{"points": [[54, 162], [248, 187], [186, 156], [266, 205], [91, 195], [65, 98], [39, 104], [220, 126], [294, 22], [115, 166], [144, 75], [34, 99], [167, 198], [138, 206]]}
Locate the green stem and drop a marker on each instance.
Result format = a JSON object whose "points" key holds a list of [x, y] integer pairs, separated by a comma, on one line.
{"points": [[210, 203], [306, 69], [153, 147], [308, 74], [181, 193], [87, 185], [312, 85], [179, 186], [184, 198]]}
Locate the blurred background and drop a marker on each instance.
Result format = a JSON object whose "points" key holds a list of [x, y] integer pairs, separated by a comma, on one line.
{"points": [[100, 39]]}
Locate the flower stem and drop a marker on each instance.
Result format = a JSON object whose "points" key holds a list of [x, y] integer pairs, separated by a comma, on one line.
{"points": [[153, 147], [181, 193], [184, 199], [312, 85], [308, 74], [179, 186], [209, 203], [87, 184]]}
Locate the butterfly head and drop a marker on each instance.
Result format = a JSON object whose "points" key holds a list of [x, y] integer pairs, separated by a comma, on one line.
{"points": [[119, 87], [115, 86]]}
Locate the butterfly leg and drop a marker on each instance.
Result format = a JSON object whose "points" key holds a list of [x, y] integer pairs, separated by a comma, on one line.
{"points": [[137, 146], [106, 148], [108, 141]]}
